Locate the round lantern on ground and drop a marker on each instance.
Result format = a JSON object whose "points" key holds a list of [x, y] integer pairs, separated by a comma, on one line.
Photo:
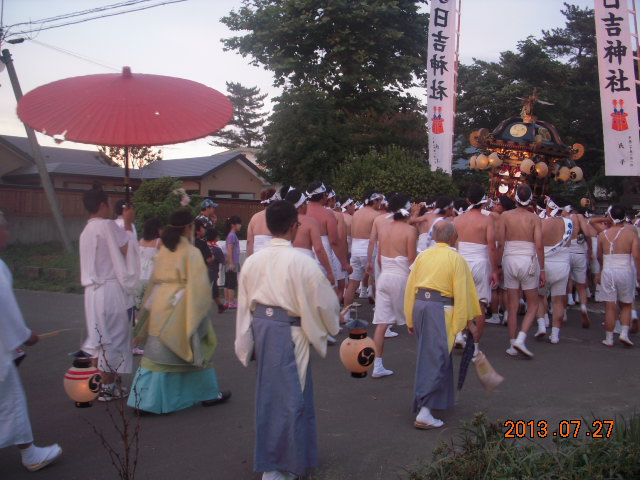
{"points": [[472, 162], [542, 169], [357, 352], [527, 166], [82, 381], [564, 174], [482, 161], [576, 174]]}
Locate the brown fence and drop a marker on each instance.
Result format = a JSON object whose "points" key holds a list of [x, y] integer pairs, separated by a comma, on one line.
{"points": [[31, 221]]}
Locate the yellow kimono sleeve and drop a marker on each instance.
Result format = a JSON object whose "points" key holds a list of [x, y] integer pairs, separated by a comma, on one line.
{"points": [[410, 297], [466, 305]]}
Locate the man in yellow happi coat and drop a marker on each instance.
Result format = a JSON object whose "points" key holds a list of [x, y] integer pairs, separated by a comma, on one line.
{"points": [[440, 299]]}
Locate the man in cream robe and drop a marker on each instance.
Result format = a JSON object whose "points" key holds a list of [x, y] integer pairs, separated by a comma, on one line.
{"points": [[285, 305], [109, 272], [15, 427], [440, 299]]}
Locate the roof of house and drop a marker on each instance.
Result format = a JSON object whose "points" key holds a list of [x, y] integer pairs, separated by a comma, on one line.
{"points": [[86, 163]]}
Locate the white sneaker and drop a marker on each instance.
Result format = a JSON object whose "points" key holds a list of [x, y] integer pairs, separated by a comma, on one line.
{"points": [[570, 300], [512, 351], [390, 333], [554, 340], [331, 340], [625, 339], [607, 343], [40, 457], [520, 346], [379, 372], [460, 341], [494, 319]]}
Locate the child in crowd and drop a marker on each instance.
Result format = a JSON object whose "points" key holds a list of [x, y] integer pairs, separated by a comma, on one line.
{"points": [[232, 227]]}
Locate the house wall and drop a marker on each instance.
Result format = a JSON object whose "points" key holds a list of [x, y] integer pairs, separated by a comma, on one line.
{"points": [[232, 178], [9, 161]]}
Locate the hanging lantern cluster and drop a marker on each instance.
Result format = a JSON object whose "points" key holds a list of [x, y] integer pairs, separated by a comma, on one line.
{"points": [[525, 150]]}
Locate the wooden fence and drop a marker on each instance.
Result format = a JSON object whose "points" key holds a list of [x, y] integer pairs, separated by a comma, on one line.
{"points": [[30, 219]]}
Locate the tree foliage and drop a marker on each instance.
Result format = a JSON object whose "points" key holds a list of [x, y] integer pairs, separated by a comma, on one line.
{"points": [[138, 156], [345, 66], [159, 198], [391, 170], [245, 130]]}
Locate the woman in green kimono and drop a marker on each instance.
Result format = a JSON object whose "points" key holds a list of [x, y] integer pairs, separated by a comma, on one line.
{"points": [[174, 325]]}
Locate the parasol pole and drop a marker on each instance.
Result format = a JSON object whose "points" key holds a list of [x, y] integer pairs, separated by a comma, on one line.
{"points": [[37, 157], [126, 176]]}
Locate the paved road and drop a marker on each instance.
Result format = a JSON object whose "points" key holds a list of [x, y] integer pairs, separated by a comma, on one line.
{"points": [[365, 425]]}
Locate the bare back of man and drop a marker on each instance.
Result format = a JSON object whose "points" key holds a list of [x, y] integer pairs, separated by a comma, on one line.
{"points": [[308, 240], [396, 251], [520, 241], [618, 249], [556, 264], [258, 235], [361, 225], [476, 243]]}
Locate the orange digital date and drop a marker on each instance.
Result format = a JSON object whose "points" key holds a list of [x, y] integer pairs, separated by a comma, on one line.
{"points": [[563, 429]]}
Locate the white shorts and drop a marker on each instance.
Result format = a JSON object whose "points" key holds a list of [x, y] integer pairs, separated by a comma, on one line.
{"points": [[359, 265], [556, 277], [578, 262], [338, 273], [617, 285], [481, 271], [390, 299], [521, 271]]}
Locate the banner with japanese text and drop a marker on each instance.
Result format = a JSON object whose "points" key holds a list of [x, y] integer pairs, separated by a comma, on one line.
{"points": [[617, 88], [441, 69]]}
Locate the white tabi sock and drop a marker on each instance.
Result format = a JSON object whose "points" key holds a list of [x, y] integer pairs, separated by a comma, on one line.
{"points": [[624, 331], [521, 337], [583, 307], [512, 341], [476, 349], [377, 363], [608, 336], [555, 332]]}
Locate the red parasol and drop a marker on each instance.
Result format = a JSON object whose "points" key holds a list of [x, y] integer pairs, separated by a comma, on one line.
{"points": [[125, 110]]}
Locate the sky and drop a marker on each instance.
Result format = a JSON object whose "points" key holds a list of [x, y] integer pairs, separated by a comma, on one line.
{"points": [[183, 40]]}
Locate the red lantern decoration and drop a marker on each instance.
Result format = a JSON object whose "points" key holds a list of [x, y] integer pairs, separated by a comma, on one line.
{"points": [[82, 382]]}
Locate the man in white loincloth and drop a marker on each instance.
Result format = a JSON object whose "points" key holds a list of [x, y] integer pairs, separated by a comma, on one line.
{"points": [[258, 235], [424, 223], [396, 251], [520, 241], [477, 245], [618, 253]]}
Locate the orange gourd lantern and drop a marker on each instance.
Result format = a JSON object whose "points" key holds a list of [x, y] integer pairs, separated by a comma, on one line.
{"points": [[357, 352]]}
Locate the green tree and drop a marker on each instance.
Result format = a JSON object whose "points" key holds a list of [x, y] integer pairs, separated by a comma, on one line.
{"points": [[138, 156], [159, 198], [391, 170], [245, 130], [346, 67]]}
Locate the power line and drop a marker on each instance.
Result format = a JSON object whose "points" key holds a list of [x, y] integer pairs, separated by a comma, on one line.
{"points": [[77, 55], [41, 28]]}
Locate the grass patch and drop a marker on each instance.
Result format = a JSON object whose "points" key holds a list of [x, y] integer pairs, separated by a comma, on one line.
{"points": [[44, 255], [480, 451]]}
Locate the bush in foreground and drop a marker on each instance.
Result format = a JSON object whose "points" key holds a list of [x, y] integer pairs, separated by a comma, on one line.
{"points": [[480, 451]]}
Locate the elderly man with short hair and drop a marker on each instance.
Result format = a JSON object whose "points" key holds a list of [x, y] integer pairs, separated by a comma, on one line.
{"points": [[440, 300]]}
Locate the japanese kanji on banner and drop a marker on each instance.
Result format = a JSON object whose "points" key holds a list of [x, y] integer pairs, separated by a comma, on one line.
{"points": [[617, 88], [441, 81]]}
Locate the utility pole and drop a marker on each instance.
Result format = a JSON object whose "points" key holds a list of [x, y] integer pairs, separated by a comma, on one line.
{"points": [[37, 156]]}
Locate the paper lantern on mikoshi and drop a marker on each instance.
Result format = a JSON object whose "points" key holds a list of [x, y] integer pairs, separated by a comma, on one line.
{"points": [[495, 160], [82, 382], [564, 174], [527, 166], [482, 161], [542, 169], [576, 174], [357, 352]]}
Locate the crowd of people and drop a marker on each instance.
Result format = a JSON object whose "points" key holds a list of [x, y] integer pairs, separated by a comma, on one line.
{"points": [[440, 266]]}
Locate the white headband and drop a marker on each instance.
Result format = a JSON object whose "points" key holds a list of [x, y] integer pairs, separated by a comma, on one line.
{"points": [[320, 189], [273, 198], [405, 211], [301, 201], [614, 220], [484, 199], [553, 206], [440, 210], [331, 194], [524, 203], [347, 202]]}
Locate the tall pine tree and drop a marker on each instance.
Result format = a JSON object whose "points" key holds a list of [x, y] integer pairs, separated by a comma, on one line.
{"points": [[245, 130]]}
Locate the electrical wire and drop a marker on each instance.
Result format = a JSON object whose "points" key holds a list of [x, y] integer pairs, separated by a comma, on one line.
{"points": [[42, 28], [77, 55]]}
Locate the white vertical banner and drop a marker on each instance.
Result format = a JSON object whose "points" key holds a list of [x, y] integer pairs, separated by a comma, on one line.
{"points": [[441, 70], [617, 88]]}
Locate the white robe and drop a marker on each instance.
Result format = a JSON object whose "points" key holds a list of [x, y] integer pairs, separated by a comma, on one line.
{"points": [[15, 427], [110, 279], [281, 276]]}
